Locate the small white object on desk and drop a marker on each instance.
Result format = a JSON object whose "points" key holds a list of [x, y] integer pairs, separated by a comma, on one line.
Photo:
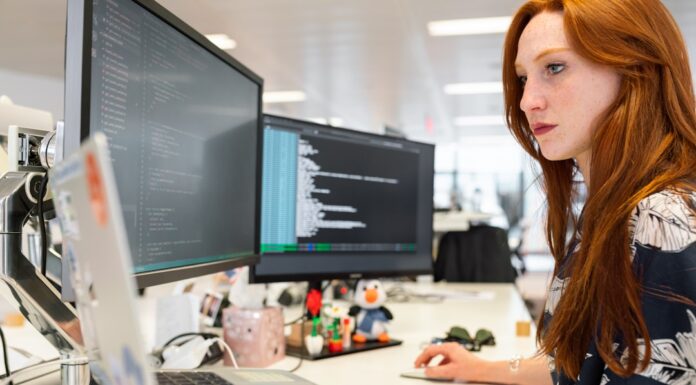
{"points": [[176, 314], [419, 374], [187, 356], [458, 294]]}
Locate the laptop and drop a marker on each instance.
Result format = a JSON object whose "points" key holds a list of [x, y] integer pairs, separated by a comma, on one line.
{"points": [[96, 246]]}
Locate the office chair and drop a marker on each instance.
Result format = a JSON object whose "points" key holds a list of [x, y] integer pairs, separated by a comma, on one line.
{"points": [[481, 254]]}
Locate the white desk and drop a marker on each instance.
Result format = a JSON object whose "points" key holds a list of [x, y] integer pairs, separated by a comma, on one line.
{"points": [[456, 220], [414, 323]]}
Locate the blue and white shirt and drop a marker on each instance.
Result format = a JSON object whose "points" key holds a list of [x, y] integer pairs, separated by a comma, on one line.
{"points": [[663, 239]]}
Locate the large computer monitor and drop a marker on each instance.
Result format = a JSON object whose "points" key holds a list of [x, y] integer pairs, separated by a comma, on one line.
{"points": [[338, 203], [182, 119]]}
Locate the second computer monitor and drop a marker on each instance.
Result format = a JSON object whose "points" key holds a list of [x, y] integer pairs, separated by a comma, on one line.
{"points": [[338, 203], [182, 118]]}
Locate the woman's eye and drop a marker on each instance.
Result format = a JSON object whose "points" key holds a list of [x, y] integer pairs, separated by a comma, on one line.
{"points": [[523, 79], [555, 68]]}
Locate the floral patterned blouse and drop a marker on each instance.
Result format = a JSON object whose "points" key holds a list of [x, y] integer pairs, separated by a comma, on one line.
{"points": [[663, 233]]}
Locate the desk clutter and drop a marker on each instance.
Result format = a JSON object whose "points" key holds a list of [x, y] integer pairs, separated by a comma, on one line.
{"points": [[335, 329], [435, 322], [256, 336], [255, 332]]}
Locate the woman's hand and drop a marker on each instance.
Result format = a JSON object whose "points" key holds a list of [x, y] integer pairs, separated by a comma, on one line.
{"points": [[457, 363]]}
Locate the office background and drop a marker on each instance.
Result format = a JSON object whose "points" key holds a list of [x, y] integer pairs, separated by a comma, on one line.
{"points": [[368, 65], [365, 65]]}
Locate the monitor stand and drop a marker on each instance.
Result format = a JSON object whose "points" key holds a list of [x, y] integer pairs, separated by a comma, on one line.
{"points": [[301, 351], [29, 292]]}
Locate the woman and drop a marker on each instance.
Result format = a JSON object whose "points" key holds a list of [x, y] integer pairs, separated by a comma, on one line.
{"points": [[603, 88]]}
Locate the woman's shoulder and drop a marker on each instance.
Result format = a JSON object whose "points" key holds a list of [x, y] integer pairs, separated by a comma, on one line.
{"points": [[665, 221]]}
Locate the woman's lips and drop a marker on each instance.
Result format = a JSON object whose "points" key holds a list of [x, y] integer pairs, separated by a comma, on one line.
{"points": [[541, 129]]}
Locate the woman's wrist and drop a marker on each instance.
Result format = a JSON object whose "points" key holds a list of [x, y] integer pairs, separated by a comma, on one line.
{"points": [[488, 371], [504, 372]]}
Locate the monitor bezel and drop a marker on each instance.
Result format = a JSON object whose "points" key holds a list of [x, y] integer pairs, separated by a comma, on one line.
{"points": [[78, 87], [254, 277]]}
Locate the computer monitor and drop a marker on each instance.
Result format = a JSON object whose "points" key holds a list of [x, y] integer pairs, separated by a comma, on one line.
{"points": [[182, 119], [339, 203]]}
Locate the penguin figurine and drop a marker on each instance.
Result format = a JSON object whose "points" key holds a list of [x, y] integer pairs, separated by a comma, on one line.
{"points": [[371, 316]]}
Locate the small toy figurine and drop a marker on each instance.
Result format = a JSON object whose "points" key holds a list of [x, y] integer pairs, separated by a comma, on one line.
{"points": [[372, 317], [345, 338], [335, 313], [314, 342]]}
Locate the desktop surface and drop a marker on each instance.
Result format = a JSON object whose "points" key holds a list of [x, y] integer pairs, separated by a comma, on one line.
{"points": [[496, 307]]}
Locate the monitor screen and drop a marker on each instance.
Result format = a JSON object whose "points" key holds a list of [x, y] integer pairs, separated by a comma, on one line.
{"points": [[338, 203], [182, 118]]}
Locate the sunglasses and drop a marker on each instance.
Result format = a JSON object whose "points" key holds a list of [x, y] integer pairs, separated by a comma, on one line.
{"points": [[461, 335]]}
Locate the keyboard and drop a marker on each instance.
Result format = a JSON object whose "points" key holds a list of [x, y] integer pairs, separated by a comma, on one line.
{"points": [[190, 378]]}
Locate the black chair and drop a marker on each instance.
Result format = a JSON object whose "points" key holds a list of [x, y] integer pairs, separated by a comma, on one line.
{"points": [[481, 254]]}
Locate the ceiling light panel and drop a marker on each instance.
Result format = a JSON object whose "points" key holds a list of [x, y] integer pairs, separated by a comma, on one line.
{"points": [[476, 26]]}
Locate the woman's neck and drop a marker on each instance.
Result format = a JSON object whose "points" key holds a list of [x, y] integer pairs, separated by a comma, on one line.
{"points": [[583, 162]]}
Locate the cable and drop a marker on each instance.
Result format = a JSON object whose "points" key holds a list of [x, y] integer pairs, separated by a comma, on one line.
{"points": [[204, 335], [42, 225], [4, 355], [323, 289], [229, 350], [293, 370], [302, 313]]}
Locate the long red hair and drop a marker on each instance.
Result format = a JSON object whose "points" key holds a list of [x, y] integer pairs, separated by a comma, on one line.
{"points": [[645, 142]]}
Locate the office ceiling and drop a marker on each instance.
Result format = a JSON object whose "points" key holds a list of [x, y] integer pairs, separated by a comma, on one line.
{"points": [[369, 62]]}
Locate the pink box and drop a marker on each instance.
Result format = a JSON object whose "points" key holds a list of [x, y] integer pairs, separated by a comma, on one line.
{"points": [[256, 336]]}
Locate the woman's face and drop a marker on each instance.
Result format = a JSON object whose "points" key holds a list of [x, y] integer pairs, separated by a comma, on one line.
{"points": [[564, 93]]}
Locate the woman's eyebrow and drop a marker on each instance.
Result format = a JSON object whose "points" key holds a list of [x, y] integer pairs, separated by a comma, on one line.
{"points": [[549, 51], [541, 55]]}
